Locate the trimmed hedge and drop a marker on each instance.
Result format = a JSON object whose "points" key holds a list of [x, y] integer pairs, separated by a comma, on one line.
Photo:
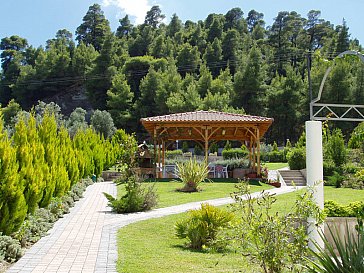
{"points": [[234, 153], [173, 154], [353, 209]]}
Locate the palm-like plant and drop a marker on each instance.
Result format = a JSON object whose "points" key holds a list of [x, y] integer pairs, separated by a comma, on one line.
{"points": [[350, 258], [191, 174]]}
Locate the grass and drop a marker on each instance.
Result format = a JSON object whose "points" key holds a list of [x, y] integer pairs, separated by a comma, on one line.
{"points": [[150, 246], [341, 195], [275, 165], [168, 196]]}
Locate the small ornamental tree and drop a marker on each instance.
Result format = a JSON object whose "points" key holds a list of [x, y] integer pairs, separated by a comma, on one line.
{"points": [[103, 123], [335, 148], [13, 207]]}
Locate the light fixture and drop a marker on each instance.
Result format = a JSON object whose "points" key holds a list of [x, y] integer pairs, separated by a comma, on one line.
{"points": [[189, 131], [223, 132]]}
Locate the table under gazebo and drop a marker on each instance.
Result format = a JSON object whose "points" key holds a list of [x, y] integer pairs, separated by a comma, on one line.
{"points": [[206, 127]]}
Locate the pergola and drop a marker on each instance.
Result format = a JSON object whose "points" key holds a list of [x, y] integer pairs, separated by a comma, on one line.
{"points": [[206, 127]]}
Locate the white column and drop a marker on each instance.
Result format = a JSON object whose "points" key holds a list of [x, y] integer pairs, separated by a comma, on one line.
{"points": [[314, 165]]}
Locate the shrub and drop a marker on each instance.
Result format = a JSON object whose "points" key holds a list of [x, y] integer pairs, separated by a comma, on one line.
{"points": [[351, 168], [185, 147], [276, 156], [335, 180], [227, 145], [137, 197], [335, 148], [357, 137], [10, 249], [297, 158], [197, 150], [192, 174], [334, 209], [214, 148], [273, 239], [329, 167], [202, 225], [234, 153]]}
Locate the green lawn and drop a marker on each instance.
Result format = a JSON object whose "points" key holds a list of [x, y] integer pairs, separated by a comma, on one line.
{"points": [[275, 165], [150, 246], [168, 196], [341, 195]]}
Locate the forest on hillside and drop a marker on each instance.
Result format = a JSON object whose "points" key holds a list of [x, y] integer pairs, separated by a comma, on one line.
{"points": [[227, 62]]}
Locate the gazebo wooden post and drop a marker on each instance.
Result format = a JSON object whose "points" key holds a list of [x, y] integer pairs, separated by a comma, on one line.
{"points": [[163, 152], [254, 157], [206, 146], [258, 152], [250, 151], [155, 151], [159, 160]]}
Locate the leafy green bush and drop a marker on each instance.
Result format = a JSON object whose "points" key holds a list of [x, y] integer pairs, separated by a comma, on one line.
{"points": [[201, 226], [335, 180], [234, 153], [191, 173], [137, 197], [329, 167], [10, 249], [296, 158]]}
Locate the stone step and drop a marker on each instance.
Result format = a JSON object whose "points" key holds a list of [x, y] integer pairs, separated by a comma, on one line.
{"points": [[293, 175]]}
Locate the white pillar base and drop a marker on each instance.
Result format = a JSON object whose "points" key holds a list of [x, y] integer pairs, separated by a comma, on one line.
{"points": [[314, 165]]}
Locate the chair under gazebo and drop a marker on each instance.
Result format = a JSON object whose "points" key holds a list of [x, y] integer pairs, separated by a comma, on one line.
{"points": [[206, 127]]}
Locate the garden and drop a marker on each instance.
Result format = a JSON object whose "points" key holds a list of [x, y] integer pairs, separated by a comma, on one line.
{"points": [[255, 234], [45, 169]]}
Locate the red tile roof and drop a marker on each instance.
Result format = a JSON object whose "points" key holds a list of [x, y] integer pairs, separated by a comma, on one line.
{"points": [[211, 116]]}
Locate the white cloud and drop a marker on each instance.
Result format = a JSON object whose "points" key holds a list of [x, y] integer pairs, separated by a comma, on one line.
{"points": [[136, 8]]}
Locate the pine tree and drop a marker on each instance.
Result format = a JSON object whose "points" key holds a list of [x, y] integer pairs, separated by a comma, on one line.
{"points": [[94, 29]]}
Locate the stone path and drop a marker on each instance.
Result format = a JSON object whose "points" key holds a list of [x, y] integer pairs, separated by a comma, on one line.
{"points": [[85, 239]]}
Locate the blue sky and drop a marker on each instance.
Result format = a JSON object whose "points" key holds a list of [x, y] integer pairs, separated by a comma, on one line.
{"points": [[39, 20]]}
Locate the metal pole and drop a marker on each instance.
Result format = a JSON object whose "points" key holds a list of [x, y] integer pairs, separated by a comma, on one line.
{"points": [[314, 165], [309, 82]]}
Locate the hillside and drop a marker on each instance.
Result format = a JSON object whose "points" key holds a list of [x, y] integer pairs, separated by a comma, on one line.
{"points": [[225, 62]]}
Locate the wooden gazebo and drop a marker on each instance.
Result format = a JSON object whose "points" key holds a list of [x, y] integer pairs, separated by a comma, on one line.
{"points": [[206, 127]]}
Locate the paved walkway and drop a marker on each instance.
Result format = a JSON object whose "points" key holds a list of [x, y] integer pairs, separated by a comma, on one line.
{"points": [[85, 239]]}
